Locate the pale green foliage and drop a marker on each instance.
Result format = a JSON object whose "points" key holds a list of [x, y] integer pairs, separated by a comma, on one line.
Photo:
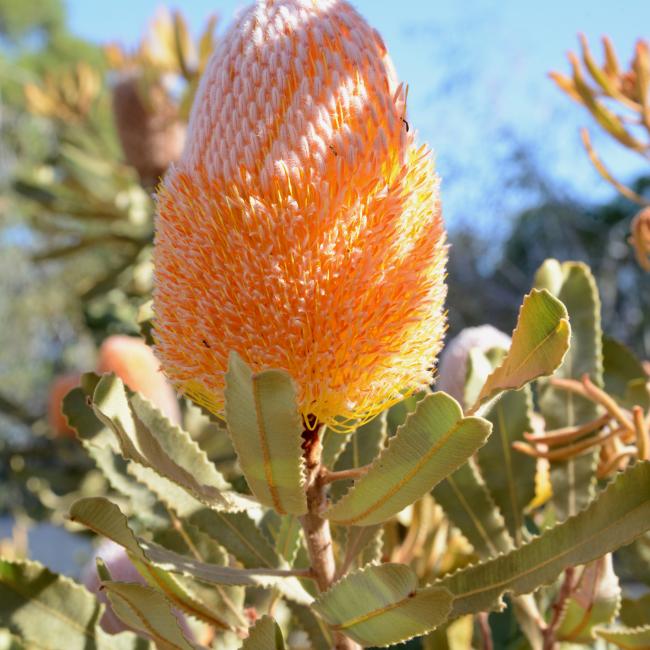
{"points": [[208, 549]]}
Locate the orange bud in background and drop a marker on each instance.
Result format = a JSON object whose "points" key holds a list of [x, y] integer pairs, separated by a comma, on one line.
{"points": [[302, 226], [640, 238], [133, 361], [59, 388]]}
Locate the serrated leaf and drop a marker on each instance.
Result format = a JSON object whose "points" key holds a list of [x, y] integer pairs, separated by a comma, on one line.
{"points": [[235, 531], [320, 636], [539, 342], [226, 602], [624, 376], [264, 635], [615, 518], [149, 439], [452, 636], [266, 428], [362, 448], [364, 544], [333, 445], [479, 369], [467, 503], [594, 601], [52, 612], [396, 415], [101, 445], [105, 518], [283, 532], [288, 538], [509, 476], [434, 441], [379, 605], [573, 480], [636, 638], [635, 612], [146, 610]]}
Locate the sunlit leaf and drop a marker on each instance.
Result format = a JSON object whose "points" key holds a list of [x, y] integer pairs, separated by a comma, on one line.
{"points": [[615, 518], [466, 501], [105, 518], [149, 439], [572, 282], [265, 427], [594, 601], [539, 342], [434, 441], [509, 476], [264, 635], [51, 612], [379, 605], [146, 610], [362, 448], [636, 638]]}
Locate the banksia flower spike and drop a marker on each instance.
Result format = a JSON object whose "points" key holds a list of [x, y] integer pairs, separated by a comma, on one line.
{"points": [[301, 227], [132, 360]]}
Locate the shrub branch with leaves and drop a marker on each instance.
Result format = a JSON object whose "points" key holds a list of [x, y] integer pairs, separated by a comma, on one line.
{"points": [[298, 302]]}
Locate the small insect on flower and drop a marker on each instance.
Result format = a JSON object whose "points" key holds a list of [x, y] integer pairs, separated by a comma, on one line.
{"points": [[301, 227]]}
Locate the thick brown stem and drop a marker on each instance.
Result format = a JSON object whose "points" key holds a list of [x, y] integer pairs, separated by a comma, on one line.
{"points": [[318, 537]]}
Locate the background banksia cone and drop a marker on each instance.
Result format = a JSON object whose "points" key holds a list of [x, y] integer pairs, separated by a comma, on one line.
{"points": [[135, 364], [59, 388], [301, 227], [453, 360], [148, 124], [640, 238]]}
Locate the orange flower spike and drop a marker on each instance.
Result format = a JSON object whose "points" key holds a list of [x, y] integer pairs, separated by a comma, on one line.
{"points": [[132, 360], [301, 227]]}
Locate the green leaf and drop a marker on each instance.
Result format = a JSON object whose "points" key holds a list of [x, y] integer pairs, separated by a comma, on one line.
{"points": [[264, 635], [380, 605], [363, 544], [105, 518], [266, 428], [573, 481], [434, 441], [149, 439], [235, 531], [466, 501], [288, 540], [479, 369], [396, 415], [146, 610], [362, 448], [624, 376], [227, 602], [52, 612], [333, 445], [509, 476], [636, 638], [594, 601], [615, 518], [539, 342], [320, 636], [636, 612], [101, 445]]}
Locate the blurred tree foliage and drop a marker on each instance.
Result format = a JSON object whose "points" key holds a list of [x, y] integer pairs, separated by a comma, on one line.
{"points": [[560, 228]]}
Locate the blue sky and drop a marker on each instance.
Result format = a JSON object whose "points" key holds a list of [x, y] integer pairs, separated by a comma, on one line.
{"points": [[478, 86]]}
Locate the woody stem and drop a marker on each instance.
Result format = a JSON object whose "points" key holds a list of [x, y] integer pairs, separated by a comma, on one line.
{"points": [[318, 537]]}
